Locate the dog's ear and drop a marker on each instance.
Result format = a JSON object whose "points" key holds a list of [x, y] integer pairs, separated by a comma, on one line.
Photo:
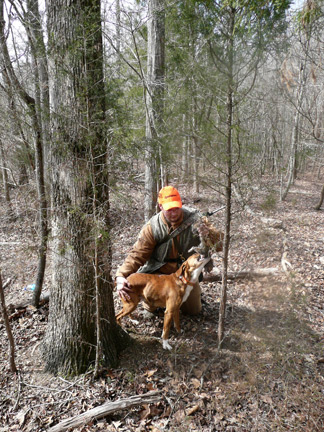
{"points": [[183, 268]]}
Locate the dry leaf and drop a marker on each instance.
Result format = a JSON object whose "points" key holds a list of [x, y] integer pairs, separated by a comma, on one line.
{"points": [[266, 399], [21, 417], [195, 382], [150, 386], [146, 412], [150, 372], [192, 410]]}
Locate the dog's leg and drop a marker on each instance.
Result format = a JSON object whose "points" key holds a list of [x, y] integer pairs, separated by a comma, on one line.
{"points": [[128, 308], [168, 315], [176, 319]]}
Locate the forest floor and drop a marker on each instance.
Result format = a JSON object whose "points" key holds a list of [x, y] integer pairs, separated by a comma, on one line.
{"points": [[269, 375]]}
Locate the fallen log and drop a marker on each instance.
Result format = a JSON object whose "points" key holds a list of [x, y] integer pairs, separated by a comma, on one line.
{"points": [[273, 223], [14, 308], [105, 409], [208, 277], [216, 277]]}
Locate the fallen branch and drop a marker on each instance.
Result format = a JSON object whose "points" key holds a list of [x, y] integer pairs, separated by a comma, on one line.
{"points": [[18, 309], [208, 277], [105, 409], [285, 264], [273, 223], [215, 277], [7, 283]]}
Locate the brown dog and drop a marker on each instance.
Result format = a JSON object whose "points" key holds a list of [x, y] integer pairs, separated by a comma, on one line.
{"points": [[168, 291]]}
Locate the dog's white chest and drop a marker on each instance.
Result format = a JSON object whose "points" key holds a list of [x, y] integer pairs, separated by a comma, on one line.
{"points": [[187, 292]]}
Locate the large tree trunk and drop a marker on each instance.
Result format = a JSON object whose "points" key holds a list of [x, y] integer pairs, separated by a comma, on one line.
{"points": [[154, 165], [79, 180]]}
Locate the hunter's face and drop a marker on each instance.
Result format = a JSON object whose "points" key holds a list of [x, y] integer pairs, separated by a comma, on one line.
{"points": [[173, 215]]}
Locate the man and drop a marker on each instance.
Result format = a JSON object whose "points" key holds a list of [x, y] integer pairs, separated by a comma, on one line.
{"points": [[163, 244]]}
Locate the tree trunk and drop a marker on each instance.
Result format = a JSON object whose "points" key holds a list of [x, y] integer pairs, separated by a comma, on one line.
{"points": [[184, 173], [35, 113], [4, 175], [154, 164], [228, 188], [80, 227], [195, 142], [13, 367], [320, 202], [292, 164], [33, 24]]}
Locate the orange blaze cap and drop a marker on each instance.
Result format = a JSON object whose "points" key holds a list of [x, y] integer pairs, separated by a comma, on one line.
{"points": [[169, 198]]}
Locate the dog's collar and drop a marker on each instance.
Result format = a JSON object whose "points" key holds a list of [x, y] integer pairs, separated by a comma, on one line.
{"points": [[184, 280]]}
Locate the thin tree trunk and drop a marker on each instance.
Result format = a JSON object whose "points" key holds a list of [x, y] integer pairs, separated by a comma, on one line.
{"points": [[4, 174], [228, 189], [13, 367], [292, 164], [320, 202], [42, 135], [184, 154], [195, 143], [195, 163], [154, 163], [34, 107], [118, 30]]}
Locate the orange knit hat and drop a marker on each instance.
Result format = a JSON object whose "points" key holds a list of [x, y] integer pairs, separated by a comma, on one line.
{"points": [[169, 198]]}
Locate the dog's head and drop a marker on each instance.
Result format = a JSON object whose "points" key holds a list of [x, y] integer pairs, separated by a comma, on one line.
{"points": [[192, 268]]}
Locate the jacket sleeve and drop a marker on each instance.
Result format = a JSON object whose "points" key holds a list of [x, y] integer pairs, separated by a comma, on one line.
{"points": [[140, 252]]}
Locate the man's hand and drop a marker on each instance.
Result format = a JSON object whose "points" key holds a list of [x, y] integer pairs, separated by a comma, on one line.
{"points": [[123, 288]]}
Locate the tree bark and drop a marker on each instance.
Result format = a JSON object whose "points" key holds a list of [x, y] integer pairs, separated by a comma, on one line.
{"points": [[321, 199], [42, 109], [35, 112], [13, 367], [292, 163], [79, 176], [228, 187], [32, 22], [154, 164], [4, 175]]}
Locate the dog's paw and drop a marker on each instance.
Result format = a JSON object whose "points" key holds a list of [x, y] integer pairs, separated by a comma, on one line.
{"points": [[166, 345], [133, 321]]}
